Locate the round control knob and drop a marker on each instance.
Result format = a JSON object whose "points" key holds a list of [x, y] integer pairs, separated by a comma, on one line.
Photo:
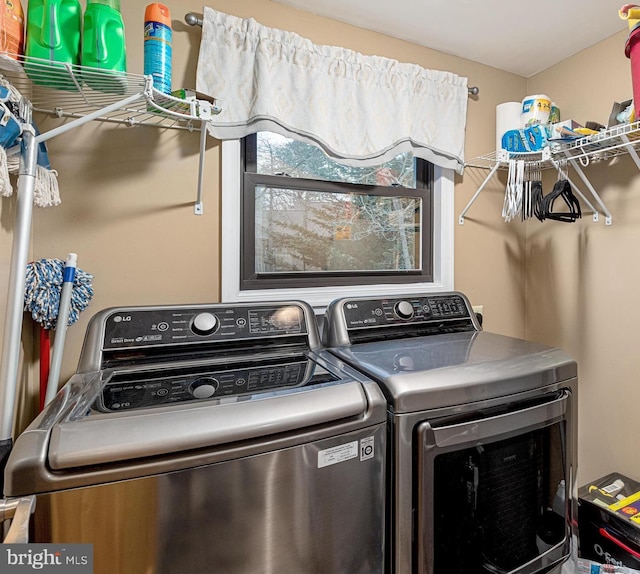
{"points": [[204, 387], [204, 324], [404, 309]]}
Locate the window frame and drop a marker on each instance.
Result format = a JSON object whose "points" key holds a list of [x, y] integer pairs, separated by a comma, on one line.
{"points": [[251, 179], [442, 206]]}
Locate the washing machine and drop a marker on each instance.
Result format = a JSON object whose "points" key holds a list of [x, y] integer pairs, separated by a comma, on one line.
{"points": [[209, 439], [483, 430]]}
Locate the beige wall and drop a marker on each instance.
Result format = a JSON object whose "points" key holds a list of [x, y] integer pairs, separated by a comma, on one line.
{"points": [[128, 192], [128, 212], [582, 280]]}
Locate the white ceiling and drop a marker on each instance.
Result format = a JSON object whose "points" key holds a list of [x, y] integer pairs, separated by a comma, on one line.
{"points": [[513, 35]]}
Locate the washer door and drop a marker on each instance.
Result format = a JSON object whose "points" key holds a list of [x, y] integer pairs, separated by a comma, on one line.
{"points": [[489, 490]]}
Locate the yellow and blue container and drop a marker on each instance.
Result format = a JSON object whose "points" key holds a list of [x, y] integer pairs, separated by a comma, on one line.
{"points": [[535, 110]]}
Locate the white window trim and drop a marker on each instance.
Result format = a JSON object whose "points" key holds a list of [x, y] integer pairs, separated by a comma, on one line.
{"points": [[320, 297]]}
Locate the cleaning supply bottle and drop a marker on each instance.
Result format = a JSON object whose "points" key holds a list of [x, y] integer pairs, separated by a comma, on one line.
{"points": [[12, 28], [104, 47], [157, 46], [53, 35], [631, 13]]}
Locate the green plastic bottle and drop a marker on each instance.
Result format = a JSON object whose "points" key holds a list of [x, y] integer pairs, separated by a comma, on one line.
{"points": [[53, 36], [104, 47]]}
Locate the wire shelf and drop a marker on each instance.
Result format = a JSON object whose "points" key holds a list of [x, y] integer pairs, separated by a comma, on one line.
{"points": [[602, 146], [66, 90], [606, 144], [489, 160]]}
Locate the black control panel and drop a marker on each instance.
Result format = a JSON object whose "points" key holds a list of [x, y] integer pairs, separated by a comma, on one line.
{"points": [[157, 327], [155, 389], [371, 313]]}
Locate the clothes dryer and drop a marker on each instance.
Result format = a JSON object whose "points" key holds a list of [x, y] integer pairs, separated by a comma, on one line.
{"points": [[483, 433]]}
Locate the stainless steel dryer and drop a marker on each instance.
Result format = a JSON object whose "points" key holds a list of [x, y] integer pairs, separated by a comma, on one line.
{"points": [[483, 435], [210, 439]]}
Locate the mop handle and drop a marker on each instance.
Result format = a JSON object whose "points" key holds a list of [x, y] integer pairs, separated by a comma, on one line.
{"points": [[61, 326]]}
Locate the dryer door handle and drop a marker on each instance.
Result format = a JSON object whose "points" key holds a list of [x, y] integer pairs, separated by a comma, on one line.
{"points": [[19, 511], [517, 420]]}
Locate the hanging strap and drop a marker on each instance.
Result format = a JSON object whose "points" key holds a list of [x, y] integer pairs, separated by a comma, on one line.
{"points": [[512, 206]]}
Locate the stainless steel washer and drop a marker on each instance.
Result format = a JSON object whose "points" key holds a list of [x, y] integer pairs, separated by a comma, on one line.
{"points": [[483, 435], [210, 439]]}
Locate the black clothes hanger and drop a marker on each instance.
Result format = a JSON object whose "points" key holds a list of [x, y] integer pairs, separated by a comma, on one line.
{"points": [[536, 199], [561, 190], [534, 191]]}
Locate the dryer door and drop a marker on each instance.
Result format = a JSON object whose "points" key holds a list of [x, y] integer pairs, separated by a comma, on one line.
{"points": [[486, 489]]}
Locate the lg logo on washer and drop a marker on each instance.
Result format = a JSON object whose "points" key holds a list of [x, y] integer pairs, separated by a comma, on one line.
{"points": [[121, 318]]}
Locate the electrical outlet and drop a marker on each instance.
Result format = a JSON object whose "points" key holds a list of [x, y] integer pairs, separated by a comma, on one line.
{"points": [[479, 312]]}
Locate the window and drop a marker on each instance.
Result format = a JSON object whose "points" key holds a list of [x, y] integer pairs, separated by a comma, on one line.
{"points": [[298, 225], [309, 221]]}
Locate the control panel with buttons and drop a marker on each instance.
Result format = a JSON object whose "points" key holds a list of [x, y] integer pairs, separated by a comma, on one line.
{"points": [[364, 313], [166, 326]]}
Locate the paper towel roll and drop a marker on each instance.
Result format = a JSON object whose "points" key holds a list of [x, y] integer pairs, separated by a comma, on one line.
{"points": [[507, 118]]}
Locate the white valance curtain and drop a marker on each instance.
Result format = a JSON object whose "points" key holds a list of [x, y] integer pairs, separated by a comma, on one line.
{"points": [[361, 110]]}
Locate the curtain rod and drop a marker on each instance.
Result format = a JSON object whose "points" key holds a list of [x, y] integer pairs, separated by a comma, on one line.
{"points": [[194, 19]]}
